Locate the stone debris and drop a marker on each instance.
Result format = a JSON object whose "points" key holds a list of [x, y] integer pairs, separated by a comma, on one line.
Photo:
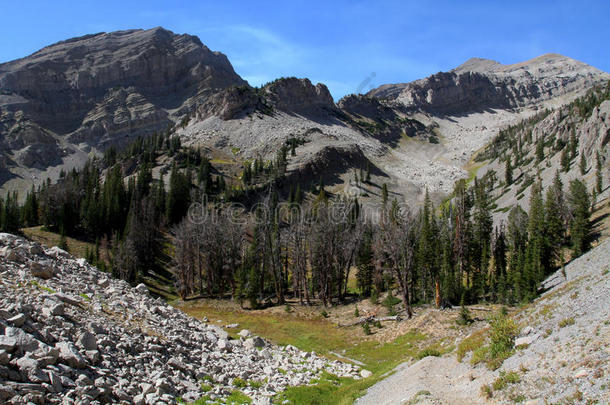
{"points": [[120, 345]]}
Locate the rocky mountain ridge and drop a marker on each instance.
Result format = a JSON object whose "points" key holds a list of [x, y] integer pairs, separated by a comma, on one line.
{"points": [[481, 84], [68, 332]]}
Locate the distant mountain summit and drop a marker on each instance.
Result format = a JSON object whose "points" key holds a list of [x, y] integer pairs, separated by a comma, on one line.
{"points": [[480, 84]]}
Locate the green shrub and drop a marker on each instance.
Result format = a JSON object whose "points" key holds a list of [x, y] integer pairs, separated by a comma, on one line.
{"points": [[464, 318], [356, 313], [389, 303], [374, 296], [324, 314], [486, 391], [566, 322], [366, 328], [428, 352], [512, 377], [503, 332], [239, 383]]}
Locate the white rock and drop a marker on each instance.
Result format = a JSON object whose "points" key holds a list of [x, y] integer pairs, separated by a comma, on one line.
{"points": [[244, 333], [17, 320], [581, 373], [141, 288], [526, 340], [365, 373]]}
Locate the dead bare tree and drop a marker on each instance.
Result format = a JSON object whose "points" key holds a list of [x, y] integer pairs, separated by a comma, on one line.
{"points": [[395, 248]]}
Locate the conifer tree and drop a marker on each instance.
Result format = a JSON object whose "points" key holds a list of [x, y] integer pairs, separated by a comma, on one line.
{"points": [[580, 208], [554, 211], [540, 150], [534, 271], [565, 160], [508, 172], [598, 173], [384, 194], [583, 165]]}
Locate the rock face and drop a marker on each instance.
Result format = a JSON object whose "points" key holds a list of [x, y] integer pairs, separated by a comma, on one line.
{"points": [[121, 345], [292, 94], [102, 89], [481, 84]]}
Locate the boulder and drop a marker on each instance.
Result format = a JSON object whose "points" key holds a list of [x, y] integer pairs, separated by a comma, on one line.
{"points": [[17, 320], [11, 255], [41, 270], [23, 342], [365, 373], [4, 358], [245, 333], [526, 340], [223, 345], [254, 342], [69, 355], [53, 308], [142, 289], [27, 364], [87, 341], [103, 282]]}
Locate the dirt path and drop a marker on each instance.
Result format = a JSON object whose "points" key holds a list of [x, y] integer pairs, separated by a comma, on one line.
{"points": [[432, 380]]}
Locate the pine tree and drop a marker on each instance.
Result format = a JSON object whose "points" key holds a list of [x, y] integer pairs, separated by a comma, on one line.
{"points": [[483, 227], [554, 211], [565, 160], [508, 172], [583, 165], [63, 242], [368, 172], [384, 194], [580, 226], [534, 271], [540, 150], [598, 173]]}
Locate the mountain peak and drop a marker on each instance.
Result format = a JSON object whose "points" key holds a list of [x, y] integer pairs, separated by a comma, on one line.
{"points": [[477, 65]]}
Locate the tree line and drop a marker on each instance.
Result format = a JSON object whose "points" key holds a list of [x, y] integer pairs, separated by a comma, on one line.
{"points": [[310, 250]]}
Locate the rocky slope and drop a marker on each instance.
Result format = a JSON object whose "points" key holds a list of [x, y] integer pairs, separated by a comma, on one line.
{"points": [[70, 333]]}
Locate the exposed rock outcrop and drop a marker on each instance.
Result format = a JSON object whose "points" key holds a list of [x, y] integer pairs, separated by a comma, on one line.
{"points": [[292, 94]]}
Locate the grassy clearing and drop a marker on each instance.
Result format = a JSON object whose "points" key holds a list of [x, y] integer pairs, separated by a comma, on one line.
{"points": [[49, 239], [322, 336]]}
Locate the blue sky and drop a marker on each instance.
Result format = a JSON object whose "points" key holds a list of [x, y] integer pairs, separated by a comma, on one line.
{"points": [[348, 45]]}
